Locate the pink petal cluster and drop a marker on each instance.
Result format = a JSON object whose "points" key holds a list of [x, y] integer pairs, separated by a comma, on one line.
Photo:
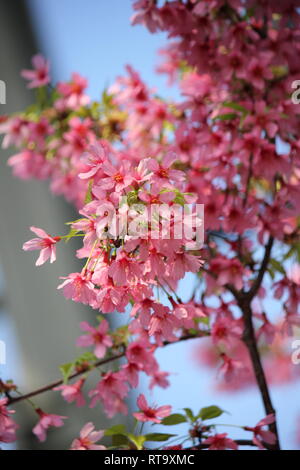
{"points": [[73, 392], [45, 422], [88, 438], [261, 436], [220, 442], [148, 413], [39, 76], [7, 426], [45, 243]]}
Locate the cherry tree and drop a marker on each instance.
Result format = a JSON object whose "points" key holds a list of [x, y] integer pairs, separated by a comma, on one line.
{"points": [[137, 167]]}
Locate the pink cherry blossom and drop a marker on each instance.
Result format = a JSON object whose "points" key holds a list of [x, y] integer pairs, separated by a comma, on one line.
{"points": [[110, 390], [220, 442], [39, 76], [88, 438], [78, 288], [150, 414], [72, 392], [73, 93], [94, 159], [117, 179], [97, 337], [7, 426], [231, 368], [226, 331], [45, 243], [260, 436], [46, 421]]}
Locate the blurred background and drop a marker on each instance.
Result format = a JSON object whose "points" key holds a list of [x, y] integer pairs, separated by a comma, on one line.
{"points": [[40, 327]]}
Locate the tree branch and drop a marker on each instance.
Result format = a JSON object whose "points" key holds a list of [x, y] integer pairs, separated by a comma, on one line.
{"points": [[244, 301], [264, 265], [46, 388], [240, 442], [250, 342]]}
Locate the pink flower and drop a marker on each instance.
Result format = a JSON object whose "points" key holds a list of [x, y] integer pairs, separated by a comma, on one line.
{"points": [[162, 172], [7, 426], [78, 288], [131, 373], [159, 378], [183, 263], [150, 414], [45, 243], [231, 368], [220, 442], [259, 435], [124, 269], [39, 76], [46, 420], [73, 93], [73, 392], [228, 271], [94, 158], [138, 353], [88, 438], [15, 130], [267, 330], [196, 86], [226, 331], [116, 178], [257, 70], [162, 324], [111, 385], [97, 337]]}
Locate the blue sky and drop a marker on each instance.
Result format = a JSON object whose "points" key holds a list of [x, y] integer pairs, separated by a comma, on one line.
{"points": [[95, 38]]}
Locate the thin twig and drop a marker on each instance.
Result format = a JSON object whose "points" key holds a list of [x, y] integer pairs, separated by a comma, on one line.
{"points": [[52, 385], [240, 442]]}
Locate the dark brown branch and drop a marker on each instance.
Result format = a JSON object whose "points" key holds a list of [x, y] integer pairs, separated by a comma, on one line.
{"points": [[244, 301], [251, 344], [264, 265], [52, 385], [240, 442]]}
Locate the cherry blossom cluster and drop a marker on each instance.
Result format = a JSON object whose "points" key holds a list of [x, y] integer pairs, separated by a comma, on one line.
{"points": [[135, 161]]}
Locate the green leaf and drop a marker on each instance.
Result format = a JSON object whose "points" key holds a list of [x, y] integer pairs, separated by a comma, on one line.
{"points": [[210, 412], [175, 418], [190, 414], [138, 441], [88, 197], [156, 436], [277, 266], [132, 197], [119, 440], [66, 370], [117, 429], [86, 357], [225, 117], [236, 106], [107, 100]]}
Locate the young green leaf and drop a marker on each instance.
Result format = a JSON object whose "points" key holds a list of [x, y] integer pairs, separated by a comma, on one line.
{"points": [[156, 436], [210, 412], [175, 418], [66, 370]]}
